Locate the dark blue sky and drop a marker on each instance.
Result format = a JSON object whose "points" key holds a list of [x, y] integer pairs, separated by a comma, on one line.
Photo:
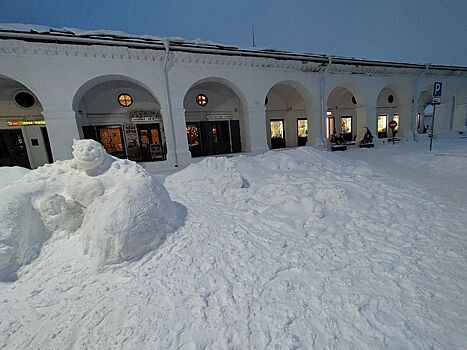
{"points": [[419, 31]]}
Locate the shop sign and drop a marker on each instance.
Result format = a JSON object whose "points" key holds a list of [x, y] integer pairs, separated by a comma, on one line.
{"points": [[218, 117], [132, 145], [25, 122], [146, 119]]}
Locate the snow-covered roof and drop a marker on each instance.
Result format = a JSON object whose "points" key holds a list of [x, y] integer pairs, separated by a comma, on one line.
{"points": [[119, 38]]}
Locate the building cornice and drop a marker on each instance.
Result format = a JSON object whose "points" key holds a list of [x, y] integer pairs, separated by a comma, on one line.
{"points": [[192, 54]]}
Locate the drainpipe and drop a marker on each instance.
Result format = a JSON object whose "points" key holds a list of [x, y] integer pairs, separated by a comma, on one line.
{"points": [[415, 85], [322, 107], [169, 100]]}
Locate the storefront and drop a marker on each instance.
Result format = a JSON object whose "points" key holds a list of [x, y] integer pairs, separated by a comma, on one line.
{"points": [[140, 137], [218, 135]]}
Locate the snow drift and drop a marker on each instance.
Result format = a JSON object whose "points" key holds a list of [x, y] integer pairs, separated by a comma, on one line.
{"points": [[316, 252], [117, 208]]}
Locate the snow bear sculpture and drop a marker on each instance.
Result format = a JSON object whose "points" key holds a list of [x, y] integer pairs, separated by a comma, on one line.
{"points": [[117, 208]]}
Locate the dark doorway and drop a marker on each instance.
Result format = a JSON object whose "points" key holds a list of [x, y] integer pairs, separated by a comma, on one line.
{"points": [[13, 150], [215, 137], [150, 140], [277, 133], [208, 138]]}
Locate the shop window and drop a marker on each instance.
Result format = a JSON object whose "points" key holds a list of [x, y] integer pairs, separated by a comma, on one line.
{"points": [[202, 100], [111, 139], [125, 100], [396, 118], [25, 99], [192, 133], [382, 126], [277, 134], [302, 132]]}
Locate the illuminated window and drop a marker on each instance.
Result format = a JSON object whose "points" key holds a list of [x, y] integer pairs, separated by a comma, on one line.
{"points": [[302, 128], [396, 118], [277, 129], [346, 125], [192, 134], [125, 100], [202, 100], [111, 139], [382, 126], [24, 99]]}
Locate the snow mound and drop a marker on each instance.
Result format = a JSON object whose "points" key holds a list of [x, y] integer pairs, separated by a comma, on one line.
{"points": [[117, 208], [217, 174], [9, 175]]}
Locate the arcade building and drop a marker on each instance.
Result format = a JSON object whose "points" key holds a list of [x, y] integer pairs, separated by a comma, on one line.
{"points": [[166, 102]]}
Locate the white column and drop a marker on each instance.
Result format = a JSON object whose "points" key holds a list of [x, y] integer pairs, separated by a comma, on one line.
{"points": [[366, 117], [255, 123], [314, 127], [62, 129], [405, 119], [177, 143]]}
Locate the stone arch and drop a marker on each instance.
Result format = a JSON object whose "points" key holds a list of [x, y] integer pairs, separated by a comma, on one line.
{"points": [[24, 139], [388, 107], [341, 113], [288, 109], [216, 127], [135, 131]]}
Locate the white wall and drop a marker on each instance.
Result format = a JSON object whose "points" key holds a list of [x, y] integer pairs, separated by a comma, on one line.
{"points": [[60, 75]]}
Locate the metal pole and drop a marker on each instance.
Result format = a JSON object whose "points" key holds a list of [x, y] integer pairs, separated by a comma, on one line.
{"points": [[432, 126]]}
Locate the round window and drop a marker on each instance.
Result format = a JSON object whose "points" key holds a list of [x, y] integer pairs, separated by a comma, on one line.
{"points": [[25, 99], [266, 101], [202, 100], [354, 101], [125, 100], [390, 99]]}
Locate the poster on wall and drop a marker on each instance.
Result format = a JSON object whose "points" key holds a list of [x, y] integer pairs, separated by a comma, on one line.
{"points": [[156, 151], [132, 145]]}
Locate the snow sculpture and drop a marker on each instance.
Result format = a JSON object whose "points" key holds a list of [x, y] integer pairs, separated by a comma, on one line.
{"points": [[117, 208]]}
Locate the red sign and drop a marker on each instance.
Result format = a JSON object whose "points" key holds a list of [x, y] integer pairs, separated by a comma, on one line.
{"points": [[393, 124]]}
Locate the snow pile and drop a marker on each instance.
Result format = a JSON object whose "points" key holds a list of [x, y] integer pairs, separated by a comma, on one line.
{"points": [[118, 210], [9, 175], [316, 252], [212, 174]]}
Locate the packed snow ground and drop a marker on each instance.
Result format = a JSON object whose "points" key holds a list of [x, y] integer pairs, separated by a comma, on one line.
{"points": [[290, 249]]}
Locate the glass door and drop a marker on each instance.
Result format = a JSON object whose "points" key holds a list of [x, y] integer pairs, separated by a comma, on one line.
{"points": [[346, 128], [302, 131], [150, 140], [382, 126], [13, 150], [277, 133]]}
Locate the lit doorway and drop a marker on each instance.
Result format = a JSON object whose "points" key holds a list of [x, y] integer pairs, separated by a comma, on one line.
{"points": [[346, 128], [382, 126], [277, 133], [302, 131]]}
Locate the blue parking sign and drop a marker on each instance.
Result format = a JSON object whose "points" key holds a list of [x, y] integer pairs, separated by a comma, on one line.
{"points": [[437, 89]]}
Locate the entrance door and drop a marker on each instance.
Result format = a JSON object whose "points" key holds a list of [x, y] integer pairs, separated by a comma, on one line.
{"points": [[382, 126], [277, 133], [13, 150], [346, 128], [150, 140], [331, 126], [215, 137], [302, 131], [194, 139]]}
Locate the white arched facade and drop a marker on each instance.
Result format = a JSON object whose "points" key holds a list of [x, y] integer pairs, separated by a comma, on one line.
{"points": [[78, 86]]}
